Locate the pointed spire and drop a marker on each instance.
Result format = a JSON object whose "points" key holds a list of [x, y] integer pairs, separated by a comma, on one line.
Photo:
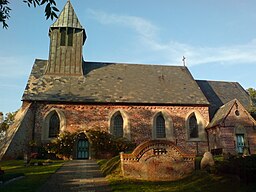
{"points": [[67, 18]]}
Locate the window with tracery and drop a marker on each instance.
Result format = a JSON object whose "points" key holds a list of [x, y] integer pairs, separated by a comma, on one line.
{"points": [[118, 125], [160, 127], [193, 127], [54, 125]]}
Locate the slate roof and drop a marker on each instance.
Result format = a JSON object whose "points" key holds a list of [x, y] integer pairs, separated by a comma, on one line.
{"points": [[222, 113], [67, 18], [116, 83], [219, 93]]}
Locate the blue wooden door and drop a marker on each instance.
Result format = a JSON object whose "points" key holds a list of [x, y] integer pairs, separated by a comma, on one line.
{"points": [[83, 149], [240, 143]]}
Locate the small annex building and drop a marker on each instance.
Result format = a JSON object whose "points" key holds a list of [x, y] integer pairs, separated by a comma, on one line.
{"points": [[139, 102]]}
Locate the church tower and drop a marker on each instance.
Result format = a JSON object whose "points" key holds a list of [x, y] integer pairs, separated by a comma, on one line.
{"points": [[67, 37]]}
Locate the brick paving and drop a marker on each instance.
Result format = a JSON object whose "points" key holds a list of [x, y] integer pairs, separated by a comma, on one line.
{"points": [[77, 176]]}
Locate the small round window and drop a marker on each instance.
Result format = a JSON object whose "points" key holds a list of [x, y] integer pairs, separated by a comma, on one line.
{"points": [[237, 112]]}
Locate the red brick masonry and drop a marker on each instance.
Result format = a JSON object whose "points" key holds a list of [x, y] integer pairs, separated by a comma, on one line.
{"points": [[157, 160]]}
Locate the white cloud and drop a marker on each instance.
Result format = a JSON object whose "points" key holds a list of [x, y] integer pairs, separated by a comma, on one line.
{"points": [[171, 52], [16, 66], [143, 27]]}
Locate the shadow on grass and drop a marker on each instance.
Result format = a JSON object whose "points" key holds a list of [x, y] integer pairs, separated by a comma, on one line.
{"points": [[198, 181], [35, 176]]}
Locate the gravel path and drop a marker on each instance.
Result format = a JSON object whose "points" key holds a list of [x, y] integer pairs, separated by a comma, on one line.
{"points": [[77, 176]]}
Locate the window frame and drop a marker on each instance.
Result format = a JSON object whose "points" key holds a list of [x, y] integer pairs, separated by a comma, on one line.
{"points": [[54, 125], [46, 121], [126, 123], [160, 127], [169, 127], [118, 125], [201, 125], [66, 36], [193, 127]]}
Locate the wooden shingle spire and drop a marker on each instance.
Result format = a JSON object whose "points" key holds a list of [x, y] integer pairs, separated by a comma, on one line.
{"points": [[67, 18], [67, 38]]}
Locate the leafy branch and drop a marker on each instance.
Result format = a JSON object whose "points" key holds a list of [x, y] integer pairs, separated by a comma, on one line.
{"points": [[50, 9], [4, 12]]}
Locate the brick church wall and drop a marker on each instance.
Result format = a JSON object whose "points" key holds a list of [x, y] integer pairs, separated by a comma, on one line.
{"points": [[252, 139], [224, 135], [241, 124], [140, 119]]}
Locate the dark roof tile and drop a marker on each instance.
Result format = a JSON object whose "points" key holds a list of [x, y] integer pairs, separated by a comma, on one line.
{"points": [[221, 114], [114, 82], [219, 93]]}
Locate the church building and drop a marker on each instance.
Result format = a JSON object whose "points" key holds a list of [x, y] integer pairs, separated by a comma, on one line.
{"points": [[135, 101]]}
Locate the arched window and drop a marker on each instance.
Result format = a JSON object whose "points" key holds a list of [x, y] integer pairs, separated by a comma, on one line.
{"points": [[54, 125], [193, 127], [118, 125], [160, 127]]}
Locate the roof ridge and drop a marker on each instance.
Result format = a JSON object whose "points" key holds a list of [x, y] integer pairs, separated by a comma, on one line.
{"points": [[221, 81], [143, 64]]}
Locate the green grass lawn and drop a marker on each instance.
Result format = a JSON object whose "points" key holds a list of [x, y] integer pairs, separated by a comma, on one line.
{"points": [[34, 176], [197, 182]]}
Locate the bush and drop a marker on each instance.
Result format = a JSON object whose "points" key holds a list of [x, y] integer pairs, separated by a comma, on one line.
{"points": [[198, 162], [244, 167], [106, 145], [103, 144], [62, 146]]}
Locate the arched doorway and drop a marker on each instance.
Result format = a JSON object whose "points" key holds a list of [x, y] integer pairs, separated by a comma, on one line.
{"points": [[82, 147]]}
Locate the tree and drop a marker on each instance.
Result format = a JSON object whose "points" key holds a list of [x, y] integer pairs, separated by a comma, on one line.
{"points": [[8, 120], [252, 93], [50, 9]]}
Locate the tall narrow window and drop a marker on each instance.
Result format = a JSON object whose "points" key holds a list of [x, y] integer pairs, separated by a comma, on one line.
{"points": [[193, 127], [66, 36], [118, 126], [54, 125], [62, 37], [160, 127], [70, 37]]}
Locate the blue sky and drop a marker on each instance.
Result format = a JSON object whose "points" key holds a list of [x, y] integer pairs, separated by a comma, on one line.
{"points": [[217, 37]]}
